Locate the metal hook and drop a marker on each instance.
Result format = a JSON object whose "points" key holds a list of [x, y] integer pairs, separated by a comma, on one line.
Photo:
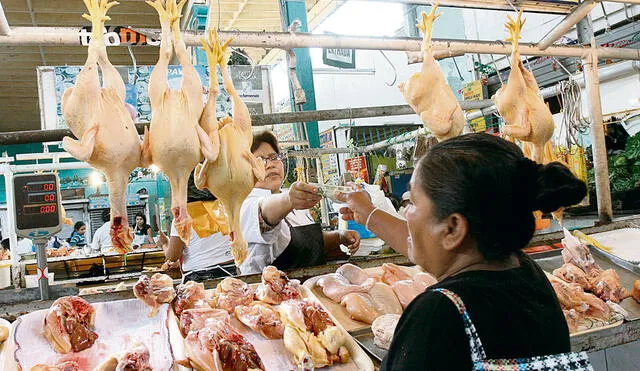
{"points": [[251, 62], [135, 65], [457, 69], [395, 72], [497, 70]]}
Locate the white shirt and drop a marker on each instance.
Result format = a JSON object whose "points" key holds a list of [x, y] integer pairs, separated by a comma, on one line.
{"points": [[203, 253], [101, 240], [264, 248]]}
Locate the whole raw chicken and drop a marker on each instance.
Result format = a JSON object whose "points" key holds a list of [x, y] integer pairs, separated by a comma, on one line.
{"points": [[175, 141], [230, 293], [232, 171], [189, 295], [98, 116], [68, 325], [276, 287], [154, 291], [526, 115], [428, 93]]}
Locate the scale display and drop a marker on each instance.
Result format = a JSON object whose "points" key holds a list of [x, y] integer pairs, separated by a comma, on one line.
{"points": [[37, 204]]}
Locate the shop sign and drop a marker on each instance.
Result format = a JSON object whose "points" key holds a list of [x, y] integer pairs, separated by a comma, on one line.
{"points": [[341, 58], [475, 90], [330, 172], [118, 35], [357, 166]]}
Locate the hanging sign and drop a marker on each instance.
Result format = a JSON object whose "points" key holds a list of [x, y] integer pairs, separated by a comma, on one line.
{"points": [[341, 58], [357, 166], [475, 90], [118, 35], [329, 162]]}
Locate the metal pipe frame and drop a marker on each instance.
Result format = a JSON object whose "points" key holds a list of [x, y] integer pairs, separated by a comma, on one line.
{"points": [[59, 36], [5, 30], [567, 23]]}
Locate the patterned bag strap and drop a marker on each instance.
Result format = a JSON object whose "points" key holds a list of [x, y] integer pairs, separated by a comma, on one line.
{"points": [[475, 345]]}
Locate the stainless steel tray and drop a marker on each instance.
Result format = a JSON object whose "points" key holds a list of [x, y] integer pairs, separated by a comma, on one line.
{"points": [[364, 337], [629, 273]]}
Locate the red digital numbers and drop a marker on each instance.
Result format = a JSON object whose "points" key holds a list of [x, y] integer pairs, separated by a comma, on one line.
{"points": [[48, 186], [50, 197], [47, 209]]}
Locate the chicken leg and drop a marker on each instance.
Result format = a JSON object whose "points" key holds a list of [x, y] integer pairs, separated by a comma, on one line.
{"points": [[232, 173], [98, 116], [428, 93], [175, 142]]}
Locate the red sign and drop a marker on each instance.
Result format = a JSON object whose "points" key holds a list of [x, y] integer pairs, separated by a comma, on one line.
{"points": [[357, 166]]}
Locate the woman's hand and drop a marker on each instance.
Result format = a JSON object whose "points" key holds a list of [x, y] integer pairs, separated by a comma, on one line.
{"points": [[303, 196], [351, 239], [359, 206]]}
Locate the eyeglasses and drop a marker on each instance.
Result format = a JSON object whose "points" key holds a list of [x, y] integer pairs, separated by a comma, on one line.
{"points": [[271, 157]]}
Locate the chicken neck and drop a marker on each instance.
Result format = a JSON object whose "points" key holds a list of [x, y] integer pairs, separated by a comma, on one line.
{"points": [[121, 234]]}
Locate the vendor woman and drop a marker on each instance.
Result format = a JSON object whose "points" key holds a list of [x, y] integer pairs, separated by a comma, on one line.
{"points": [[472, 199], [277, 224]]}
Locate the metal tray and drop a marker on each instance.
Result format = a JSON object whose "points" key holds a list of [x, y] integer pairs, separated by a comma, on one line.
{"points": [[364, 337], [629, 273]]}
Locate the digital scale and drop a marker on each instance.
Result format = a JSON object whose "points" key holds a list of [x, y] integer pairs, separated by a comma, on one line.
{"points": [[38, 216]]}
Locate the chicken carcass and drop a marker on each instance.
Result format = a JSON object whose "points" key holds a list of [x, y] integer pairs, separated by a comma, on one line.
{"points": [[230, 293], [384, 299], [195, 319], [571, 296], [428, 93], [233, 170], [276, 287], [335, 286], [383, 328], [219, 347], [136, 358], [154, 291], [393, 273], [261, 318], [64, 366], [175, 142], [570, 273], [98, 116], [189, 295], [525, 113], [68, 325], [360, 307], [353, 273], [607, 286], [578, 254], [406, 291]]}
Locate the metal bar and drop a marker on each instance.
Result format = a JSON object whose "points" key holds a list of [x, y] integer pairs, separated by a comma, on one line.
{"points": [[567, 23], [59, 36], [43, 270], [11, 225], [42, 167], [530, 6], [5, 30]]}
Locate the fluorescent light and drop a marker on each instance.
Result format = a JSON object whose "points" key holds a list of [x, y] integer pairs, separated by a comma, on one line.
{"points": [[95, 179]]}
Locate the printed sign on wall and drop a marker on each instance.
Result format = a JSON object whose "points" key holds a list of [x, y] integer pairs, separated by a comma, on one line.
{"points": [[357, 166]]}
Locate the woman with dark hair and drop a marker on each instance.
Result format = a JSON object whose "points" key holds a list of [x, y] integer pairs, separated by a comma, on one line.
{"points": [[77, 238], [142, 232], [277, 224], [472, 199]]}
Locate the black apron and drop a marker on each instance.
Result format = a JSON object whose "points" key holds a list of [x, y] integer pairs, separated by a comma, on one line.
{"points": [[306, 248], [210, 274]]}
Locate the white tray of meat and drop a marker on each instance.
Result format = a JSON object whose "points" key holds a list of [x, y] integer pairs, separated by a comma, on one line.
{"points": [[126, 336]]}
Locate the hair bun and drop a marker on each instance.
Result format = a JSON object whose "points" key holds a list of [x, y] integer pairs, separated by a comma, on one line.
{"points": [[557, 187]]}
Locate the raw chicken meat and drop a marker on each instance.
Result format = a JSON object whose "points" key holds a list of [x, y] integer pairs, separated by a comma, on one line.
{"points": [[519, 102], [68, 325], [311, 336], [570, 273], [571, 296], [230, 293], [154, 291], [383, 328], [353, 273], [607, 286], [635, 293], [360, 307], [424, 280], [406, 291], [195, 319], [261, 318], [219, 347], [428, 93], [134, 359], [578, 254], [232, 170], [98, 116], [175, 141], [335, 286], [276, 287], [394, 273], [573, 319], [64, 366], [189, 295], [384, 299]]}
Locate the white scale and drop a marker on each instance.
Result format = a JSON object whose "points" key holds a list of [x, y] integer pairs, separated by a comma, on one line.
{"points": [[38, 216]]}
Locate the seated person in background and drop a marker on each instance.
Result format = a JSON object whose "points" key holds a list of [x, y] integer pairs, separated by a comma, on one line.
{"points": [[77, 238], [5, 253], [142, 232], [101, 241]]}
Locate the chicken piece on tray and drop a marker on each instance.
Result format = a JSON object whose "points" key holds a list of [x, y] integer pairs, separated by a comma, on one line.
{"points": [[360, 307], [189, 295], [154, 291], [219, 347], [383, 328], [68, 325], [428, 93], [578, 254], [98, 116], [607, 286], [261, 318], [195, 319], [384, 299], [635, 293], [64, 366], [310, 334], [335, 286], [573, 319], [175, 141], [230, 293], [525, 113], [571, 273], [353, 273], [393, 273], [276, 287], [233, 170], [406, 291], [571, 296], [135, 359]]}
